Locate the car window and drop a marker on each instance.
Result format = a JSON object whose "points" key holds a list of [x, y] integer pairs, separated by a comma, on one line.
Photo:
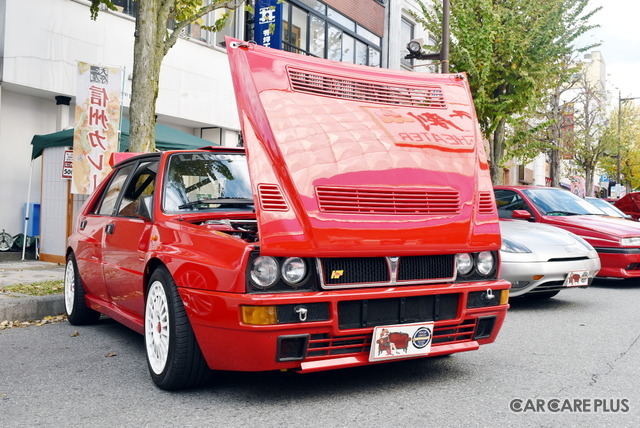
{"points": [[508, 201], [110, 195], [551, 201], [142, 184], [207, 181]]}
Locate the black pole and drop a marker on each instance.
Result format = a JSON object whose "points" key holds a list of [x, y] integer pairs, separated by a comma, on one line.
{"points": [[444, 54]]}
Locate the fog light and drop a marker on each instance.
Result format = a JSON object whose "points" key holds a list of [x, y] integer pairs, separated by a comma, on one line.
{"points": [[259, 315]]}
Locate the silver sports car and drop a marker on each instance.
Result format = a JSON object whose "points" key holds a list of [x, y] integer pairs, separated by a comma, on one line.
{"points": [[540, 260]]}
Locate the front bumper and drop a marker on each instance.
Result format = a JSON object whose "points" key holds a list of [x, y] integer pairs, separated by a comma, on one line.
{"points": [[619, 262], [554, 273], [336, 342]]}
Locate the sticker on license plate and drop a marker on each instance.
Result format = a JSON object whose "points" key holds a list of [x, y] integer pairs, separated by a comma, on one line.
{"points": [[400, 341], [579, 278]]}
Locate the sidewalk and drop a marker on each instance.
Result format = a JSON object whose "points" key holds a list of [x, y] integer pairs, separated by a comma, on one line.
{"points": [[19, 307]]}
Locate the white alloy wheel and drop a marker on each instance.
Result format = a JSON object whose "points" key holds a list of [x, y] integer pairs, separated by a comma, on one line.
{"points": [[156, 327], [69, 286]]}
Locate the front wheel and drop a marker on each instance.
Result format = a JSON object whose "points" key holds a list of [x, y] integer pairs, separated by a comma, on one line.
{"points": [[173, 355], [78, 313]]}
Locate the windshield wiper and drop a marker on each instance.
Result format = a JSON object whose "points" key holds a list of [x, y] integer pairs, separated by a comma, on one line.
{"points": [[241, 202], [561, 213]]}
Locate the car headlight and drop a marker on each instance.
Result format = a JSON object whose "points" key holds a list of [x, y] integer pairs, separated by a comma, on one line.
{"points": [[630, 242], [464, 263], [294, 270], [510, 246], [485, 262], [264, 271]]}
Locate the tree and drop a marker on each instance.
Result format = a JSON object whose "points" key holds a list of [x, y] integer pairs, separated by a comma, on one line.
{"points": [[590, 142], [627, 136], [153, 39], [512, 51]]}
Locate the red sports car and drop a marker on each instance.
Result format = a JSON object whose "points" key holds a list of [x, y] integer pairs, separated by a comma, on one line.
{"points": [[616, 240], [363, 202]]}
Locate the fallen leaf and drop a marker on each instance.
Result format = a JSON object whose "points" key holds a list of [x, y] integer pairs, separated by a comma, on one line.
{"points": [[111, 354], [75, 334]]}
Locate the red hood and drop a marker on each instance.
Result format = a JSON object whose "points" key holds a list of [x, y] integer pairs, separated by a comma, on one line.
{"points": [[629, 204], [347, 158], [597, 226]]}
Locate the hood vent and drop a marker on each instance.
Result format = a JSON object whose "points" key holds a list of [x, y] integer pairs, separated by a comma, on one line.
{"points": [[271, 198], [357, 200], [350, 89], [486, 205]]}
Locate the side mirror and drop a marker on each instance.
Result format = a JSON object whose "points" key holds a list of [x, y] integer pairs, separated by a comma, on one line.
{"points": [[145, 207], [521, 215]]}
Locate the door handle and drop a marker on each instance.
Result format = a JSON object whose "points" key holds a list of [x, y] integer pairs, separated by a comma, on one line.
{"points": [[109, 229], [83, 224]]}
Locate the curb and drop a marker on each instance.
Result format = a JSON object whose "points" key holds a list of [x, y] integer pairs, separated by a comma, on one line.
{"points": [[18, 307]]}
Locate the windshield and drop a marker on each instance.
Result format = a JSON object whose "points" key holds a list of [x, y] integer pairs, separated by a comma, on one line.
{"points": [[606, 207], [552, 201], [207, 181]]}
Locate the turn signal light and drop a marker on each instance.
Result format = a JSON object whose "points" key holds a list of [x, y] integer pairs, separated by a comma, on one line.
{"points": [[504, 297], [259, 315]]}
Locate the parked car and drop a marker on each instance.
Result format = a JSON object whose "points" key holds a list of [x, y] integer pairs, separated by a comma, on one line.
{"points": [[607, 208], [360, 205], [616, 240], [630, 204], [540, 260]]}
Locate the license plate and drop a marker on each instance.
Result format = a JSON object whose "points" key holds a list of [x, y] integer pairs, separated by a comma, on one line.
{"points": [[579, 278], [401, 341]]}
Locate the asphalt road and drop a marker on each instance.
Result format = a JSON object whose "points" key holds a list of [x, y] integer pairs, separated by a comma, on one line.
{"points": [[573, 360]]}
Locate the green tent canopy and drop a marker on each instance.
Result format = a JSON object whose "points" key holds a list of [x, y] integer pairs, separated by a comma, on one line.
{"points": [[167, 138]]}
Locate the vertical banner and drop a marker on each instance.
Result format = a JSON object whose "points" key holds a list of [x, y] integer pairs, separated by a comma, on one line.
{"points": [[268, 26], [97, 123]]}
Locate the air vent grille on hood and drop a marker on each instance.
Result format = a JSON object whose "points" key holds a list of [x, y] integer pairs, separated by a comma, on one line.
{"points": [[353, 200], [271, 198], [341, 87], [486, 205]]}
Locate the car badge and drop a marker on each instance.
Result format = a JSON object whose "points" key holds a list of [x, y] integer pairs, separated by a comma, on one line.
{"points": [[336, 274]]}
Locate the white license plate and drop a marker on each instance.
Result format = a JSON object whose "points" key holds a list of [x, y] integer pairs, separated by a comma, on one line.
{"points": [[400, 341], [579, 278]]}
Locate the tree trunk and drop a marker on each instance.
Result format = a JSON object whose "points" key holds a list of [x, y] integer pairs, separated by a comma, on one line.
{"points": [[497, 152], [147, 51]]}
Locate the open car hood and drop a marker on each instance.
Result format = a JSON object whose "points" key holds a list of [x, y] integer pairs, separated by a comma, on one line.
{"points": [[629, 204], [348, 159]]}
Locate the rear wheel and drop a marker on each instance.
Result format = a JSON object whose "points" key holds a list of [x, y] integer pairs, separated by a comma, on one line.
{"points": [[78, 313], [173, 355]]}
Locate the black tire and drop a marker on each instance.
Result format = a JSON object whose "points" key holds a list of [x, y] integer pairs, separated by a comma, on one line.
{"points": [[78, 313], [542, 296], [174, 358]]}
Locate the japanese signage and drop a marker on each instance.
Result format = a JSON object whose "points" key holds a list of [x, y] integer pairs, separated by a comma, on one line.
{"points": [[97, 123], [268, 27]]}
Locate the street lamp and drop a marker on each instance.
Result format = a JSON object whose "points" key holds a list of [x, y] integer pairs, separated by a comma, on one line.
{"points": [[415, 46], [620, 101]]}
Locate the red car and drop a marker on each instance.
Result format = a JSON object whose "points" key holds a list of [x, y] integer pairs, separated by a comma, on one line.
{"points": [[616, 240], [630, 204], [363, 202]]}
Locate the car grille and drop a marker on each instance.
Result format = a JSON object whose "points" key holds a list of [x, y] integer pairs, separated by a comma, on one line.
{"points": [[352, 200], [323, 345], [397, 310], [353, 89], [378, 271]]}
